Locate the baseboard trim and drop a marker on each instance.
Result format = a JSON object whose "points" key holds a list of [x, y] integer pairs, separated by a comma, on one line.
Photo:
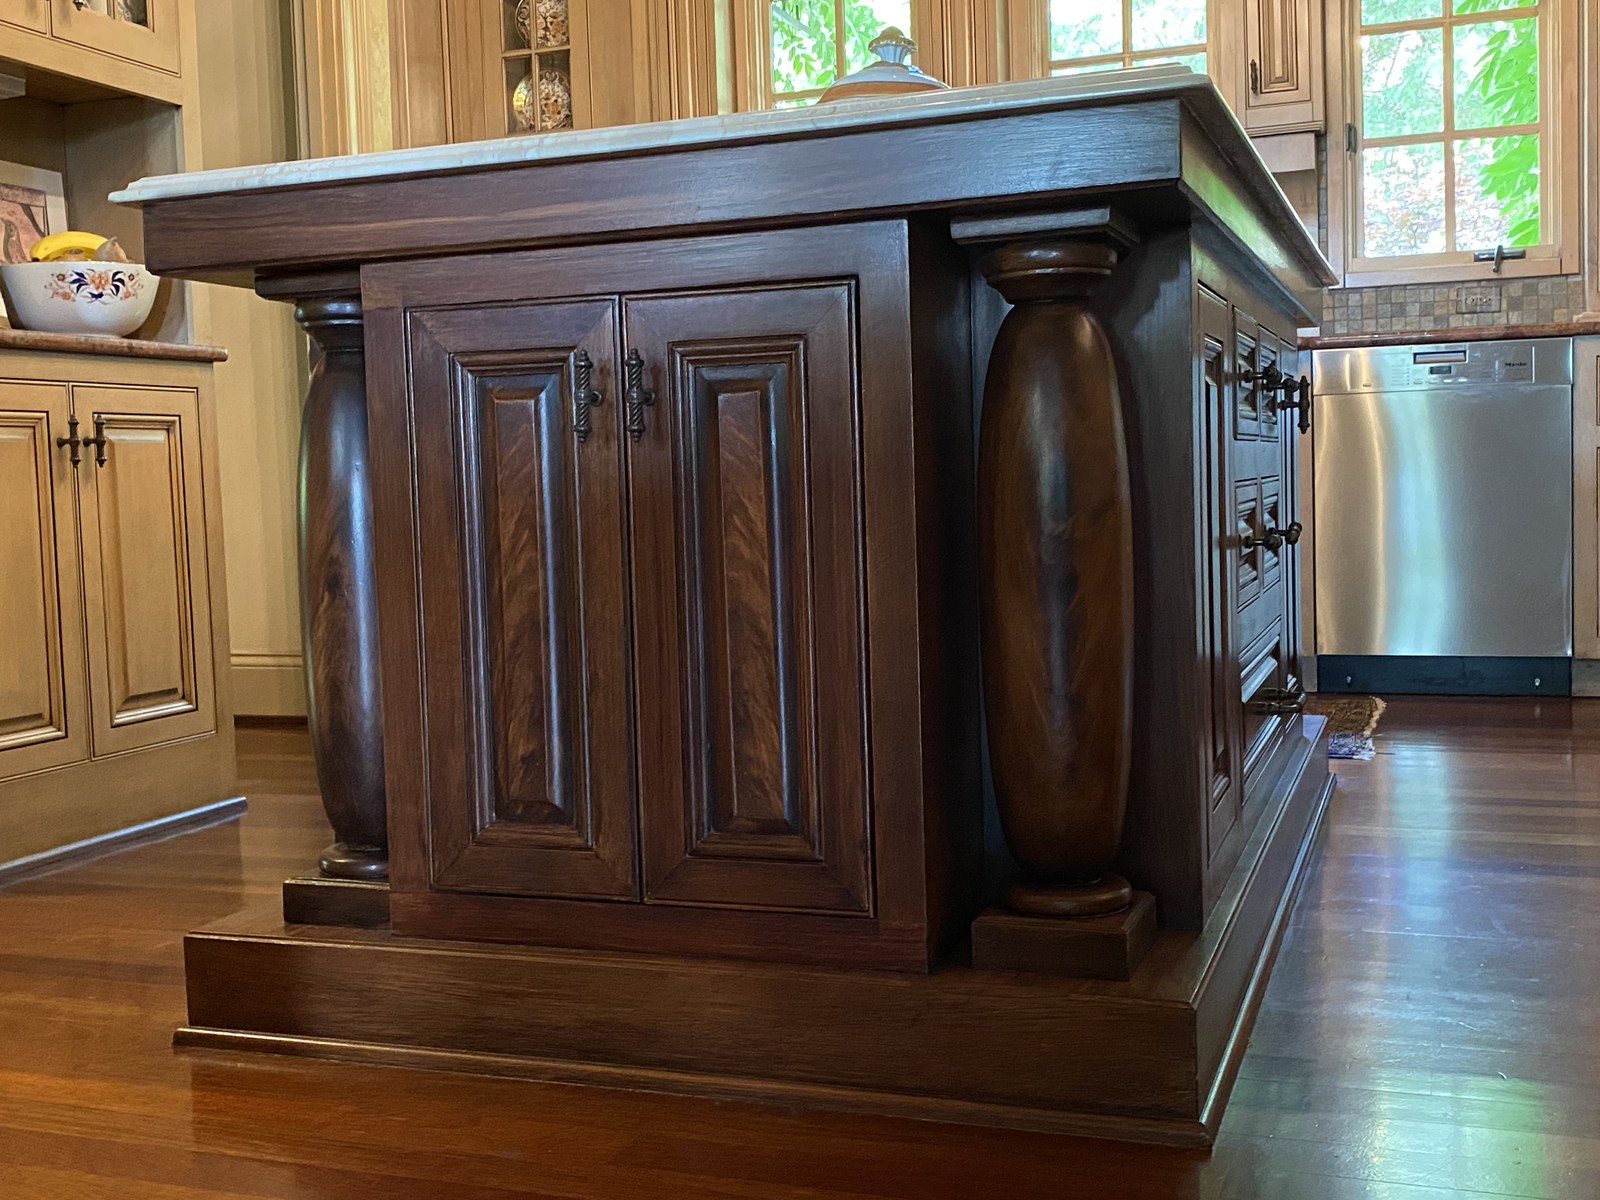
{"points": [[1150, 1130], [148, 833]]}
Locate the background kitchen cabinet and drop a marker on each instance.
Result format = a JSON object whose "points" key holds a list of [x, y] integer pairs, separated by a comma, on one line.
{"points": [[43, 689], [1282, 67], [30, 14], [141, 31], [113, 617], [145, 570]]}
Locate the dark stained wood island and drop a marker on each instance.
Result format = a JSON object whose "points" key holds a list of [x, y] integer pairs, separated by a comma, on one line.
{"points": [[798, 606]]}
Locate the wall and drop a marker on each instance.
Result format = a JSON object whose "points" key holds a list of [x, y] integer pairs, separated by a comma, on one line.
{"points": [[1422, 307], [247, 108]]}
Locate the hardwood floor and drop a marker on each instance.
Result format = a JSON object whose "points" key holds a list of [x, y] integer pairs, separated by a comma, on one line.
{"points": [[1430, 1029]]}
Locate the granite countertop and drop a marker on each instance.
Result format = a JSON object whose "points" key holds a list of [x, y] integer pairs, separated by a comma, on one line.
{"points": [[116, 347], [808, 121], [1424, 337]]}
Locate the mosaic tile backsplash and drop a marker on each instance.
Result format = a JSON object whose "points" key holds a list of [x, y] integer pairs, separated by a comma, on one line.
{"points": [[1422, 307]]}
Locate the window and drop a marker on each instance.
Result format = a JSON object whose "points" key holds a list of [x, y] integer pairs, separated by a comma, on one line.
{"points": [[1103, 35], [814, 42], [1453, 145]]}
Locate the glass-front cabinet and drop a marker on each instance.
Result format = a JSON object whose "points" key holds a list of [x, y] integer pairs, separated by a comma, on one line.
{"points": [[537, 40]]}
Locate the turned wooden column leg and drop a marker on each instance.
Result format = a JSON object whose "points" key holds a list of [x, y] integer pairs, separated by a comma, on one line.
{"points": [[338, 593], [1057, 581]]}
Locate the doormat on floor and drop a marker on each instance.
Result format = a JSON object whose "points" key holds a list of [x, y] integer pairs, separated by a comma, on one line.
{"points": [[1351, 721]]}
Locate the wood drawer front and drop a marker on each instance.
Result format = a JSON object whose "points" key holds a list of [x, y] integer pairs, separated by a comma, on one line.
{"points": [[748, 600], [30, 14], [523, 597], [146, 582], [154, 42], [43, 696]]}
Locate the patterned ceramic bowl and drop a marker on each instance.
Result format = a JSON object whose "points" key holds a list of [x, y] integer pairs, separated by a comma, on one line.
{"points": [[78, 297]]}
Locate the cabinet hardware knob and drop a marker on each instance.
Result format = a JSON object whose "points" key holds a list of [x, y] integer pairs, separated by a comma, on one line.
{"points": [[584, 396], [98, 441], [639, 396], [1255, 77], [1273, 538], [1278, 701], [1302, 389], [72, 442]]}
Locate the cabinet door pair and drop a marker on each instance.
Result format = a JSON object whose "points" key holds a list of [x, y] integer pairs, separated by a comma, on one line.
{"points": [[141, 31], [640, 539], [104, 608]]}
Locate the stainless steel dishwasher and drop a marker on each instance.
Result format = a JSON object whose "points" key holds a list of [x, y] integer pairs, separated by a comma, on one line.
{"points": [[1442, 480]]}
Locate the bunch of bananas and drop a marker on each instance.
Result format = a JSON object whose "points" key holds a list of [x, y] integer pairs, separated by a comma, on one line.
{"points": [[74, 246]]}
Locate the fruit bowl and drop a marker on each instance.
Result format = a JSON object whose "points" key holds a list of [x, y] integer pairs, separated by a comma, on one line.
{"points": [[78, 297]]}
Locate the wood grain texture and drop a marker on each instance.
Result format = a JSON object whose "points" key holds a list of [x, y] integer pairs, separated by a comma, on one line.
{"points": [[114, 347], [337, 585], [737, 326], [1374, 1068], [44, 718], [1132, 1059], [1056, 538], [141, 596]]}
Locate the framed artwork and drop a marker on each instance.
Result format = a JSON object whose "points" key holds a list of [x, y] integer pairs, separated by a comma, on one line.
{"points": [[32, 204]]}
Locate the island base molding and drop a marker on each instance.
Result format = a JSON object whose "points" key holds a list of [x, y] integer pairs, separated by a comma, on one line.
{"points": [[1151, 1059]]}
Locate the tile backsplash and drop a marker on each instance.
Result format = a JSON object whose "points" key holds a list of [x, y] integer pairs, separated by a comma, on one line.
{"points": [[1423, 307]]}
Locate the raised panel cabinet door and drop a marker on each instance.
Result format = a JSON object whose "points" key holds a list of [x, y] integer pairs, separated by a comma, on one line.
{"points": [[1282, 43], [141, 31], [748, 598], [146, 578], [30, 14], [517, 423], [43, 694]]}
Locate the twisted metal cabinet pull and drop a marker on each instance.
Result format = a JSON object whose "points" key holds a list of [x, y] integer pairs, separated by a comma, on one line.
{"points": [[98, 441], [584, 397], [639, 396], [72, 442]]}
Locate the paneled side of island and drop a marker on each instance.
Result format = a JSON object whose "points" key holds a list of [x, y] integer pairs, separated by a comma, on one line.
{"points": [[796, 611]]}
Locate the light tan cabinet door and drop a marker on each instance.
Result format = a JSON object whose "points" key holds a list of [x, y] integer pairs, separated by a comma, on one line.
{"points": [[144, 563], [141, 31], [1283, 41], [43, 704], [30, 14]]}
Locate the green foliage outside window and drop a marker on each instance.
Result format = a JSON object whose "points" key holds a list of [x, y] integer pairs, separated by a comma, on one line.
{"points": [[1491, 77], [804, 49]]}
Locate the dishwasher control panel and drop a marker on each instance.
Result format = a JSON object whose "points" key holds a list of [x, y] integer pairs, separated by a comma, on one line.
{"points": [[1445, 365]]}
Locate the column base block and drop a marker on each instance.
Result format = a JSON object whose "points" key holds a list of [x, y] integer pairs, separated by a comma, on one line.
{"points": [[350, 903], [1108, 947]]}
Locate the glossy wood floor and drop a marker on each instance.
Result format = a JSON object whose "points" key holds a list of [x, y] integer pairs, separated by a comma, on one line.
{"points": [[1432, 1028]]}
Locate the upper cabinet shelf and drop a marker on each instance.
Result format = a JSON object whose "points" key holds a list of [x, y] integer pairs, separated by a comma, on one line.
{"points": [[130, 46]]}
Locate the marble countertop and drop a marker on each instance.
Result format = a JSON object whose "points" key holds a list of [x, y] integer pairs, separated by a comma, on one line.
{"points": [[816, 120]]}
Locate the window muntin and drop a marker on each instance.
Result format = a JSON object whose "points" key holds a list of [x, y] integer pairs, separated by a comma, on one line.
{"points": [[1451, 96], [812, 43], [1105, 35]]}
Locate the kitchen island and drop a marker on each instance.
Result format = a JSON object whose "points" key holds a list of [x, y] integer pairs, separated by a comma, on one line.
{"points": [[687, 509]]}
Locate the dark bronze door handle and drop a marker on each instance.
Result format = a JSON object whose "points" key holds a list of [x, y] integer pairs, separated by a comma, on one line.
{"points": [[72, 442], [1277, 701], [584, 396], [639, 396], [1302, 389], [1274, 539]]}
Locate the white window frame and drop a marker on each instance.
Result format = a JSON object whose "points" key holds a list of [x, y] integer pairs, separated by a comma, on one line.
{"points": [[1128, 57], [1560, 177]]}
